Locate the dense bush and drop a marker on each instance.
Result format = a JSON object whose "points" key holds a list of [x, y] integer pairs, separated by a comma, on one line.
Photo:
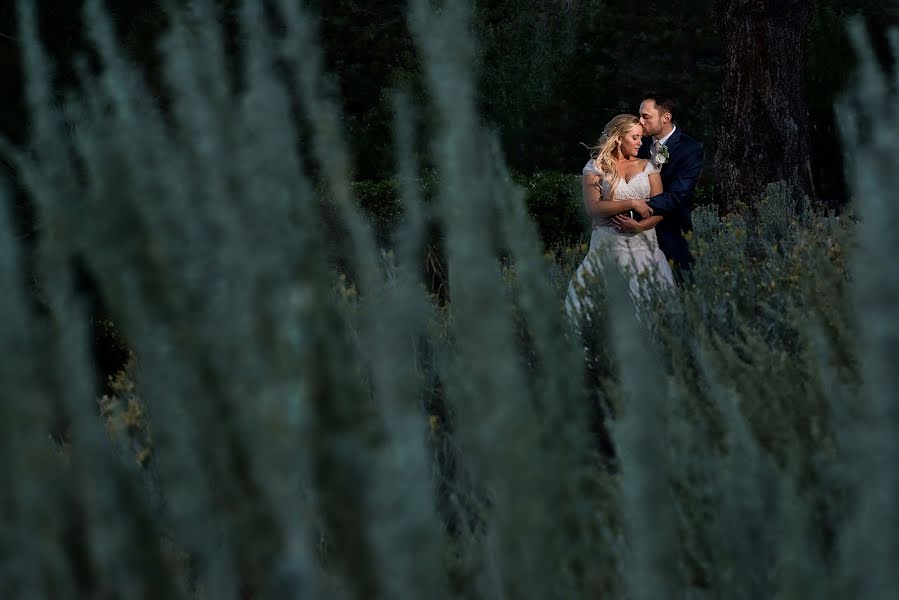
{"points": [[286, 431], [553, 200]]}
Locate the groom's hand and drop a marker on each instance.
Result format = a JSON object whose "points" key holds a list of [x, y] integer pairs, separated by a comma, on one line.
{"points": [[626, 224], [641, 208]]}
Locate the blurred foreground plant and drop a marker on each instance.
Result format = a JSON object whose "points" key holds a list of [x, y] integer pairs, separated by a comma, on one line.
{"points": [[286, 431]]}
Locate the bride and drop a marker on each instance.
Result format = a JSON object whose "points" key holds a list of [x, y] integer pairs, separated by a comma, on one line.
{"points": [[616, 182]]}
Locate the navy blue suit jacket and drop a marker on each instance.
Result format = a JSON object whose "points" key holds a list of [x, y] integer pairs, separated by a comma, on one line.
{"points": [[679, 177]]}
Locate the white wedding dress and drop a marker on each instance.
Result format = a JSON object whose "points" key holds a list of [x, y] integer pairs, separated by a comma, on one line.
{"points": [[637, 254]]}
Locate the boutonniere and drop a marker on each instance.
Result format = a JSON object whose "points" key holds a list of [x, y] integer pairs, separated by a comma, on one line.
{"points": [[661, 156]]}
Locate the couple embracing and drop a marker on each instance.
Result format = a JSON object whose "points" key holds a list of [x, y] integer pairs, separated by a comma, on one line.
{"points": [[638, 190]]}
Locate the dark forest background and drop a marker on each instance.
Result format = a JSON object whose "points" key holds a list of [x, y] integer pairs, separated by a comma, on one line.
{"points": [[551, 73]]}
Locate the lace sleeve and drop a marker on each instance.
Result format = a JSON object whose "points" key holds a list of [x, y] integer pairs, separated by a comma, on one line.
{"points": [[605, 188], [591, 167], [650, 168]]}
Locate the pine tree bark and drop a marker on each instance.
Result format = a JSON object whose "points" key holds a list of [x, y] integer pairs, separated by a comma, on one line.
{"points": [[762, 136]]}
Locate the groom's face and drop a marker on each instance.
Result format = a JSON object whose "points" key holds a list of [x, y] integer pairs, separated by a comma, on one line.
{"points": [[651, 118]]}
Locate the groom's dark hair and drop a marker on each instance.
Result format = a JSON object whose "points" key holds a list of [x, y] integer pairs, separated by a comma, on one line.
{"points": [[664, 102]]}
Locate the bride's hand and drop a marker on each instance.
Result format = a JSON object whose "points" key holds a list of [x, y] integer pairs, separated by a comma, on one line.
{"points": [[626, 224], [642, 208]]}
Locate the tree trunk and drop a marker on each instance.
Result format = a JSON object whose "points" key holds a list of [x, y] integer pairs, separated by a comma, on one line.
{"points": [[762, 136]]}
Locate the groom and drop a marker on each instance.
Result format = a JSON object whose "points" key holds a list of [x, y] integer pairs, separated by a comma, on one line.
{"points": [[680, 158]]}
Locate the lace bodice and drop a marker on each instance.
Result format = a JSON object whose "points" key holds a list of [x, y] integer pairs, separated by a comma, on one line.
{"points": [[635, 188]]}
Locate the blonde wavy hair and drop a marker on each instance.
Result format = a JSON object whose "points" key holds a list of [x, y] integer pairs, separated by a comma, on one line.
{"points": [[603, 153]]}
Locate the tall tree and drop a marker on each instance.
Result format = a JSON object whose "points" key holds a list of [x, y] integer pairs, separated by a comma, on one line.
{"points": [[762, 134]]}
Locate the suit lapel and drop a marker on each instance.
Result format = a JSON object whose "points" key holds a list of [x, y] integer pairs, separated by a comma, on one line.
{"points": [[670, 144], [673, 140]]}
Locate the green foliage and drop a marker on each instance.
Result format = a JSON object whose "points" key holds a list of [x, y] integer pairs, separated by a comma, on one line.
{"points": [[553, 200], [285, 430]]}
